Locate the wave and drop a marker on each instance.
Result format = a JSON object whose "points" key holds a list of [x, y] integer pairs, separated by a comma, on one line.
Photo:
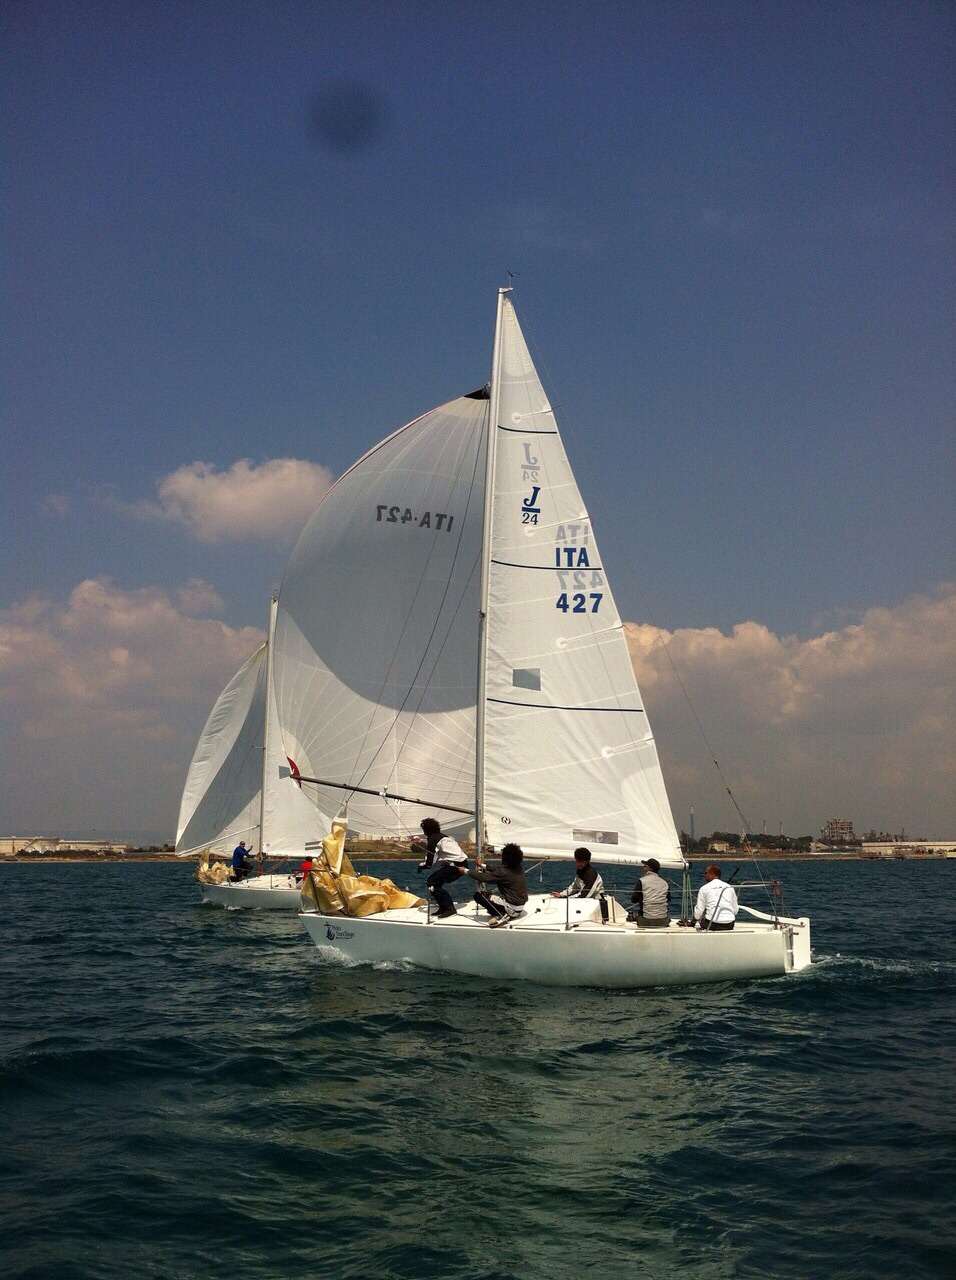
{"points": [[879, 964]]}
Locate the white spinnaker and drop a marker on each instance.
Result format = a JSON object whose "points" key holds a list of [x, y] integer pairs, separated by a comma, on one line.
{"points": [[569, 754], [375, 654], [220, 802]]}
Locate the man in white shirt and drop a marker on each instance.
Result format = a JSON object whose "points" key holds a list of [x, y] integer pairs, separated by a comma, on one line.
{"points": [[717, 907], [445, 859]]}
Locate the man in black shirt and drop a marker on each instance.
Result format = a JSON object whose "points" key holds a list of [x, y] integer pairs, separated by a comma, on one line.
{"points": [[512, 886], [586, 883]]}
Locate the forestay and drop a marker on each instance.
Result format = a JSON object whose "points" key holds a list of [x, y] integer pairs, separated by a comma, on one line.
{"points": [[569, 754], [290, 815], [375, 646]]}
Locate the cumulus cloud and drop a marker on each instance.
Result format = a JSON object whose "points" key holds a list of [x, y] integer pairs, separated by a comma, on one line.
{"points": [[270, 500], [103, 696], [855, 722], [198, 597], [104, 693]]}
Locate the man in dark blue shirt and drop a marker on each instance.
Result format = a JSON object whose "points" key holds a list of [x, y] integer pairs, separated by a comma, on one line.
{"points": [[241, 861]]}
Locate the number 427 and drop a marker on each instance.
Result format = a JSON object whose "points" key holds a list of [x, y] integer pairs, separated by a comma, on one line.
{"points": [[578, 602]]}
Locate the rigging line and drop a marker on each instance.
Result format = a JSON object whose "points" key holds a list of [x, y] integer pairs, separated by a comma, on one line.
{"points": [[410, 613], [438, 613], [425, 651], [386, 795], [448, 631], [716, 763], [441, 647], [441, 650]]}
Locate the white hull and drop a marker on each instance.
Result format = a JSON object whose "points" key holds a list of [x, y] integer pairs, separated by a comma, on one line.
{"points": [[561, 945], [269, 893]]}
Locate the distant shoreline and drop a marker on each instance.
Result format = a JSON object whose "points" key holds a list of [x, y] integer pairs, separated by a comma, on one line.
{"points": [[366, 855]]}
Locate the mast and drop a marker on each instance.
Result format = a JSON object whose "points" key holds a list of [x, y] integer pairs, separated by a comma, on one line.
{"points": [[487, 514], [273, 610]]}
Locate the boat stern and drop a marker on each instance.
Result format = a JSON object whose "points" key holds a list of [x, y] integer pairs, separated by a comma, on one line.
{"points": [[798, 945]]}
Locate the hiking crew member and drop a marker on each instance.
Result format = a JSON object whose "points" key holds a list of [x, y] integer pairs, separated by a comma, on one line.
{"points": [[652, 896], [586, 883], [717, 906], [512, 887], [448, 859], [241, 861]]}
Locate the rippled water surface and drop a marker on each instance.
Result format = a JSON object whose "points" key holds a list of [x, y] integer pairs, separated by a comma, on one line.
{"points": [[186, 1091]]}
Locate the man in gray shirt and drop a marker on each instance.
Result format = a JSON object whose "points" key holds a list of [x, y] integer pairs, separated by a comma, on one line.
{"points": [[652, 894]]}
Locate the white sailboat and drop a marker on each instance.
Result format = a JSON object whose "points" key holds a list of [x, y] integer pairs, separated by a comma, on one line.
{"points": [[234, 790], [447, 644]]}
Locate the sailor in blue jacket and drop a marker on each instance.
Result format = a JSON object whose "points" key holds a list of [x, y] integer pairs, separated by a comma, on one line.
{"points": [[241, 861]]}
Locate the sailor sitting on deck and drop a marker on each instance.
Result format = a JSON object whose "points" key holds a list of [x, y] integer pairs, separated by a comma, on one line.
{"points": [[716, 908], [242, 864], [652, 894], [512, 893], [447, 857], [586, 883]]}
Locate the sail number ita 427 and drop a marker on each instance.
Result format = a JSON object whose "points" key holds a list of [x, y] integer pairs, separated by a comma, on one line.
{"points": [[579, 601], [404, 515]]}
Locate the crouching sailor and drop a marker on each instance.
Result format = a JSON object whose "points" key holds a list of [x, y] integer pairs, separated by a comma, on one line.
{"points": [[716, 908], [445, 855], [512, 886], [652, 895], [586, 883]]}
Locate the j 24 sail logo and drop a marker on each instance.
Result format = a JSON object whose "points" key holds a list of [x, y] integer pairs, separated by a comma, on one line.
{"points": [[530, 510]]}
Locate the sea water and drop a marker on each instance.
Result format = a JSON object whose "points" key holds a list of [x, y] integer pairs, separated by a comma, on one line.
{"points": [[192, 1092]]}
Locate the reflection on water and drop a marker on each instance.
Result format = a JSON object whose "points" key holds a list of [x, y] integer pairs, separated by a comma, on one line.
{"points": [[187, 1091]]}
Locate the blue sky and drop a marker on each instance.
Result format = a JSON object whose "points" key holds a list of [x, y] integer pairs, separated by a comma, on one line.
{"points": [[275, 231]]}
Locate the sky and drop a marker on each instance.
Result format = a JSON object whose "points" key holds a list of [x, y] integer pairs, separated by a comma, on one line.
{"points": [[244, 241]]}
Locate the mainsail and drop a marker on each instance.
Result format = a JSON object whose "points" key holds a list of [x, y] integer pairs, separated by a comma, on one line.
{"points": [[235, 783], [220, 802], [376, 642], [569, 754]]}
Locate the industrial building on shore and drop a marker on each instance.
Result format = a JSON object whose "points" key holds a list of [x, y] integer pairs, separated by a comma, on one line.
{"points": [[11, 845]]}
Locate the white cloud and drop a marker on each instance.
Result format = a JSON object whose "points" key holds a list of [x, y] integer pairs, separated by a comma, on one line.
{"points": [[198, 597], [103, 697], [104, 694], [856, 722], [271, 500]]}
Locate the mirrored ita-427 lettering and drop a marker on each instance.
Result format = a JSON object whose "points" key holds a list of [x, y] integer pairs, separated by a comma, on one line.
{"points": [[421, 520]]}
